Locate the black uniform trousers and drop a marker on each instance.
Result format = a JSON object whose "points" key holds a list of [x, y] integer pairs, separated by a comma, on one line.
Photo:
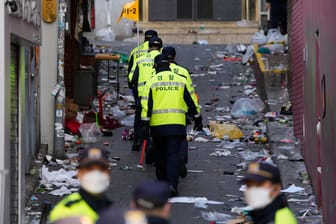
{"points": [[137, 120], [166, 157]]}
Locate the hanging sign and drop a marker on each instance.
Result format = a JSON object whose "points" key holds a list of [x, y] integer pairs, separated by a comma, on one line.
{"points": [[49, 10]]}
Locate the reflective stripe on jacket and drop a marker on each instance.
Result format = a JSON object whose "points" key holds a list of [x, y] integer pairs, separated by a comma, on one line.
{"points": [[167, 99], [72, 206], [142, 71]]}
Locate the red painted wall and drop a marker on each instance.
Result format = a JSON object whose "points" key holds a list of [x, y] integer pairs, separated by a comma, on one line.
{"points": [[313, 31], [328, 123]]}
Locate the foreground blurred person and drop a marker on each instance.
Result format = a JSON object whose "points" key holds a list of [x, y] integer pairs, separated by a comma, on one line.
{"points": [[151, 197], [122, 217], [263, 195], [94, 178], [74, 220]]}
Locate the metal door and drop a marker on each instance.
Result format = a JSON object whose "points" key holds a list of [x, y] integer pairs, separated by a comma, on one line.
{"points": [[196, 10], [14, 134]]}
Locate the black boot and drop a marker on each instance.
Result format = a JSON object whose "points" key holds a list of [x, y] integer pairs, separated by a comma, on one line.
{"points": [[136, 146], [183, 172]]}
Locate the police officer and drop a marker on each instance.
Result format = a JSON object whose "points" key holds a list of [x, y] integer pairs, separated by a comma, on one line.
{"points": [[141, 49], [166, 101], [74, 220], [151, 197], [94, 178], [113, 216], [141, 72], [182, 71], [263, 195]]}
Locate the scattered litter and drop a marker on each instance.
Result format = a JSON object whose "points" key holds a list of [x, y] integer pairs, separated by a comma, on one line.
{"points": [[221, 130], [248, 55], [293, 189], [195, 171], [216, 216], [286, 147], [63, 191], [201, 42], [193, 200], [128, 121], [249, 91], [282, 157], [58, 178], [246, 107], [243, 188], [90, 132], [216, 66], [287, 140], [33, 198], [221, 153], [201, 140], [240, 210], [259, 38], [249, 155], [271, 115]]}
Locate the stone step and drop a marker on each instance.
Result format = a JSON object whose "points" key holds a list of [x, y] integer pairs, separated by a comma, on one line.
{"points": [[213, 32]]}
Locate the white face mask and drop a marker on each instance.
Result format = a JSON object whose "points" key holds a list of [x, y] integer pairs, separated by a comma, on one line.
{"points": [[258, 197], [95, 182]]}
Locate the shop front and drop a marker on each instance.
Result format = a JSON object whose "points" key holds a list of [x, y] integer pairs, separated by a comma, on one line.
{"points": [[19, 102]]}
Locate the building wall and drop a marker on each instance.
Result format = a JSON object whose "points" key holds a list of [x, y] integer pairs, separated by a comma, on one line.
{"points": [[318, 79], [48, 81], [13, 30], [328, 115]]}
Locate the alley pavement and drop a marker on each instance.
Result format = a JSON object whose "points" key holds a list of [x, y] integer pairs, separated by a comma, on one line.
{"points": [[219, 84]]}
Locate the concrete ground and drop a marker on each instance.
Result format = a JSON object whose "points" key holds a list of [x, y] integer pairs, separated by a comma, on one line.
{"points": [[215, 178]]}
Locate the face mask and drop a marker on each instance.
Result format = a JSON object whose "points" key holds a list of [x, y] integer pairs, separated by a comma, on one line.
{"points": [[95, 182], [258, 197]]}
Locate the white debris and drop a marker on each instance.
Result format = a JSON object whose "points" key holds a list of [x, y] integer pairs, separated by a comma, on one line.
{"points": [[201, 140], [221, 153], [58, 178], [216, 216], [293, 189], [194, 200], [63, 191]]}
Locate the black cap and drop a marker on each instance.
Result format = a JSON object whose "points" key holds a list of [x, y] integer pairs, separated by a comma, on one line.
{"points": [[161, 60], [151, 195], [74, 220], [262, 171], [93, 156], [112, 216], [150, 33], [170, 52], [155, 42]]}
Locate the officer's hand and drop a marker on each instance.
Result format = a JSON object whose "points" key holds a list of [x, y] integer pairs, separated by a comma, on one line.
{"points": [[198, 123], [145, 130]]}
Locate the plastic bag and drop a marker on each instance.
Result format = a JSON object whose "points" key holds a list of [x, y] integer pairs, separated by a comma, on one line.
{"points": [[246, 107], [248, 55], [275, 37], [216, 216], [128, 121], [259, 38], [221, 130], [90, 133]]}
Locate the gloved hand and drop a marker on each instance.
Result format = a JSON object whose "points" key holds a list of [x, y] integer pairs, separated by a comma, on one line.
{"points": [[145, 130], [198, 126]]}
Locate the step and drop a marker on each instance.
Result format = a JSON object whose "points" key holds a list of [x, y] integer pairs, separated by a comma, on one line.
{"points": [[213, 32]]}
